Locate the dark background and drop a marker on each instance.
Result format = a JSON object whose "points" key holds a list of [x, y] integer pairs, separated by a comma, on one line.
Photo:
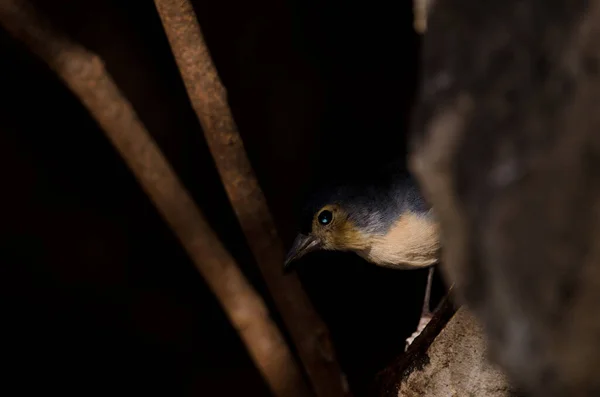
{"points": [[97, 295]]}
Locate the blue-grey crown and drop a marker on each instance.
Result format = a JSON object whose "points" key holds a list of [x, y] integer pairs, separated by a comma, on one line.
{"points": [[373, 205]]}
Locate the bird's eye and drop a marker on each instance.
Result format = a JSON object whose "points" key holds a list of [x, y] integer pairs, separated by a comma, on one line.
{"points": [[325, 217]]}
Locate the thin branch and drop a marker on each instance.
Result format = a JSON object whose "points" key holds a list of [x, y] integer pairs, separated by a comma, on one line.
{"points": [[83, 72], [420, 14], [387, 381], [208, 97]]}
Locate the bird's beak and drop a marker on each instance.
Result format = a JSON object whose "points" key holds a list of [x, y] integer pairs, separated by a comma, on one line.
{"points": [[302, 245]]}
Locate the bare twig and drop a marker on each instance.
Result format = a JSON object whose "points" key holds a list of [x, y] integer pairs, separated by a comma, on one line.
{"points": [[420, 13], [388, 380], [208, 98], [83, 73]]}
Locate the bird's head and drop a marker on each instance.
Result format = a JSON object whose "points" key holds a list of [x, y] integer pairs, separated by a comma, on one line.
{"points": [[388, 224]]}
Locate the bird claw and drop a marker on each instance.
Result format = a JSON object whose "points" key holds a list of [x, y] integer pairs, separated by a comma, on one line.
{"points": [[423, 321]]}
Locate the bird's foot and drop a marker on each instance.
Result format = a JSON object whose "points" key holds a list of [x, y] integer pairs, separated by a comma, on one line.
{"points": [[423, 321], [426, 314]]}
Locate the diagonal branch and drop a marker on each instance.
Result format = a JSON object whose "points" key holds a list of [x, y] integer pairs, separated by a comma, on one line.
{"points": [[208, 97], [83, 72]]}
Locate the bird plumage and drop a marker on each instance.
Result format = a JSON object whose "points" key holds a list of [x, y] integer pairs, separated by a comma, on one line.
{"points": [[384, 219]]}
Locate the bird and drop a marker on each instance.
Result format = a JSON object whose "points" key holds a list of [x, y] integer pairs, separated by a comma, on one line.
{"points": [[384, 219]]}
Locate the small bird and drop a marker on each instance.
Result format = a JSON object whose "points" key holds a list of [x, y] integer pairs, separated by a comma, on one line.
{"points": [[386, 221]]}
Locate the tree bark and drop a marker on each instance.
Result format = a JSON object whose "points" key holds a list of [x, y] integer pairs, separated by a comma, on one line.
{"points": [[506, 146]]}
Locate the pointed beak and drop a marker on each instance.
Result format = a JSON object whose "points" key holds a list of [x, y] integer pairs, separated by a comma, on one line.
{"points": [[302, 245]]}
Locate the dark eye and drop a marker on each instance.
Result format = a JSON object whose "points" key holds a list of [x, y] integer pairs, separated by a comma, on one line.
{"points": [[325, 217]]}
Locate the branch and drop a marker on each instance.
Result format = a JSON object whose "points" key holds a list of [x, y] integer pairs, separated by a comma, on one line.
{"points": [[208, 98], [420, 12], [83, 72], [388, 381]]}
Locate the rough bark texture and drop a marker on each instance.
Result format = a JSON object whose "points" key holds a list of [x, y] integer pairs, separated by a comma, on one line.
{"points": [[507, 149], [387, 382], [456, 364]]}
